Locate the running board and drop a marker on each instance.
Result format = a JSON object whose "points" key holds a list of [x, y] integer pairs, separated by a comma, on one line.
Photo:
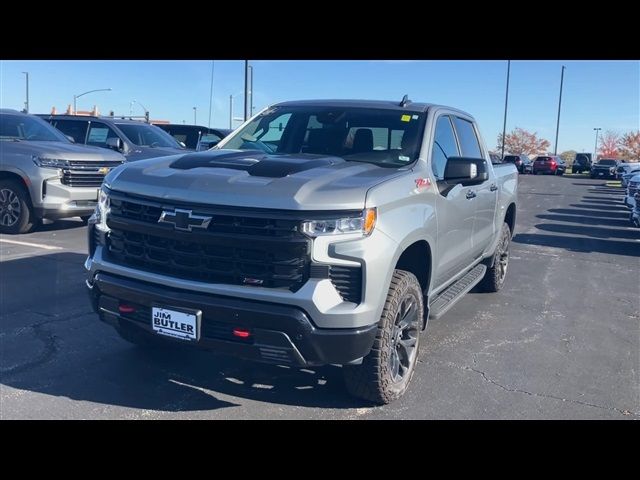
{"points": [[447, 299]]}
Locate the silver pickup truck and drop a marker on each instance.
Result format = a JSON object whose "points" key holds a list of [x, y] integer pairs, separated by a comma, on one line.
{"points": [[319, 232]]}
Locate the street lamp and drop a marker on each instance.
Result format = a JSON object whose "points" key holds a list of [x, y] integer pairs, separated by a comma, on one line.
{"points": [[26, 104], [506, 101], [76, 97], [146, 112], [595, 149], [195, 110]]}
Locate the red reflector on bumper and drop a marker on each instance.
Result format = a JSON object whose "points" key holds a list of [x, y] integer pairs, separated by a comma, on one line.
{"points": [[241, 332], [126, 308]]}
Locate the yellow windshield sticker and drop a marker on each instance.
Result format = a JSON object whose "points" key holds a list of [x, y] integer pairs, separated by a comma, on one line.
{"points": [[405, 118]]}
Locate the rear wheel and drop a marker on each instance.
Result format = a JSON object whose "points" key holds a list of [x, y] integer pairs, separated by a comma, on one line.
{"points": [[386, 371], [16, 214], [493, 279]]}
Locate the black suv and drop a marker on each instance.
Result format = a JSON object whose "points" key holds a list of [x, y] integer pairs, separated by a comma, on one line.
{"points": [[582, 163], [522, 162], [605, 168]]}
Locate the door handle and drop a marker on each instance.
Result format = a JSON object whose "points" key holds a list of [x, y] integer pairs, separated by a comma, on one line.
{"points": [[493, 187], [471, 194]]}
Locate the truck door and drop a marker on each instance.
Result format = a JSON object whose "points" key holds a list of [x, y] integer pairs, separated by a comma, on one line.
{"points": [[454, 211], [486, 193]]}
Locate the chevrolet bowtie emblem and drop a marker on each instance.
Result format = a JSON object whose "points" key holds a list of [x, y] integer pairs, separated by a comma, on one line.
{"points": [[104, 170], [184, 219]]}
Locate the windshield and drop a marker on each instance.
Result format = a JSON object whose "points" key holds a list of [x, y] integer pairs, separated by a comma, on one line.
{"points": [[28, 128], [610, 163], [388, 138], [145, 135]]}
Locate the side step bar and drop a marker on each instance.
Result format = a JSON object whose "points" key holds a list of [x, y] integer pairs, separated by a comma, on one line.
{"points": [[447, 299]]}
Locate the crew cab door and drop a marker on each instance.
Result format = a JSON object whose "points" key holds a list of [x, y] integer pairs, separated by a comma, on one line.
{"points": [[486, 193], [454, 209]]}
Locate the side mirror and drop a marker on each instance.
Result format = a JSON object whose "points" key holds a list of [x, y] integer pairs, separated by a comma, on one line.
{"points": [[465, 170], [114, 143], [70, 138]]}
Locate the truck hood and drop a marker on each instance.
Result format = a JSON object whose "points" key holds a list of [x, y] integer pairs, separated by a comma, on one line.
{"points": [[61, 150], [252, 179]]}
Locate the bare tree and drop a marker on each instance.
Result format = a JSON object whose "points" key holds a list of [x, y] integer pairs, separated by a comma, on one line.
{"points": [[520, 140]]}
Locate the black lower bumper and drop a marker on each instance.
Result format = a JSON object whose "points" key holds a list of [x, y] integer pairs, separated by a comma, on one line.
{"points": [[279, 334]]}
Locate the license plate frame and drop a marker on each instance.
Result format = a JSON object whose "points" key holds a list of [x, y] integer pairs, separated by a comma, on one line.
{"points": [[175, 322]]}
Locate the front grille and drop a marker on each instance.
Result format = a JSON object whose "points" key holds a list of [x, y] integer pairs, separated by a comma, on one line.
{"points": [[83, 173], [348, 281], [235, 249]]}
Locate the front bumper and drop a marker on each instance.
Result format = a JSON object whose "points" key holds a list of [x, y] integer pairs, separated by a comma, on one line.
{"points": [[55, 200], [280, 334]]}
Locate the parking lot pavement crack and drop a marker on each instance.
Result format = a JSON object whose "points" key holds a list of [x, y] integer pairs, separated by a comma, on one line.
{"points": [[487, 379], [49, 351]]}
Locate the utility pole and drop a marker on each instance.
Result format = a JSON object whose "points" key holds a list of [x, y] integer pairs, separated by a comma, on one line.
{"points": [[555, 148], [231, 111], [26, 103], [247, 113], [506, 101]]}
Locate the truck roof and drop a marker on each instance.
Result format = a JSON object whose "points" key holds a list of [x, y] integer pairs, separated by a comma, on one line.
{"points": [[382, 104]]}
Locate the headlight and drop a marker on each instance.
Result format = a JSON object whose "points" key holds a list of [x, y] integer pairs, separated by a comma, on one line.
{"points": [[50, 162], [363, 224], [102, 209]]}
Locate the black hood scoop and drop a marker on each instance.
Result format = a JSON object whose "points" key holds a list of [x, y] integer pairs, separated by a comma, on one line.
{"points": [[255, 162]]}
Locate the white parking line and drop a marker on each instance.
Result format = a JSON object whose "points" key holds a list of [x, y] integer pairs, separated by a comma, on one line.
{"points": [[27, 244]]}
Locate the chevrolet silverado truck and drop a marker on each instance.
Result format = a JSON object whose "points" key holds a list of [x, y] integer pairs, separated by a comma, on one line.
{"points": [[319, 232], [44, 175]]}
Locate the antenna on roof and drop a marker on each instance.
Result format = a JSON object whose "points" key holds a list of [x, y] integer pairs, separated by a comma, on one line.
{"points": [[405, 100]]}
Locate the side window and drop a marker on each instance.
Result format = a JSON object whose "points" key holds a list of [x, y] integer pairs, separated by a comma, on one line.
{"points": [[98, 134], [468, 140], [74, 128], [444, 146]]}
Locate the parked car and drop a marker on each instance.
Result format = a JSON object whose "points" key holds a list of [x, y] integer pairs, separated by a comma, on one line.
{"points": [[334, 250], [195, 137], [582, 163], [549, 164], [635, 212], [527, 166], [44, 175], [136, 140], [625, 168], [632, 188], [605, 168], [624, 181], [519, 161]]}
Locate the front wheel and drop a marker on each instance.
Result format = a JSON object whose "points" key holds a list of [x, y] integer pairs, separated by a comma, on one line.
{"points": [[386, 371], [493, 279], [16, 214]]}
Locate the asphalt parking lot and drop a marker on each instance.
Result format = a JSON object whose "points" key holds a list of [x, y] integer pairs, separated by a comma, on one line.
{"points": [[561, 341]]}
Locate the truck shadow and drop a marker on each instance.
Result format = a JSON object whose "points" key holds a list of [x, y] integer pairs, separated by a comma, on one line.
{"points": [[576, 244], [63, 224], [55, 345], [609, 222]]}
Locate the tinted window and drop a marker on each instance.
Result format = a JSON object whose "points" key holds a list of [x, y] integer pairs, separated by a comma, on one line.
{"points": [[26, 127], [468, 140], [76, 130], [145, 135], [610, 163], [99, 133], [444, 146]]}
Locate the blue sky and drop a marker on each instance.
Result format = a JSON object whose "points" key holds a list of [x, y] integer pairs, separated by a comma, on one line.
{"points": [[596, 93]]}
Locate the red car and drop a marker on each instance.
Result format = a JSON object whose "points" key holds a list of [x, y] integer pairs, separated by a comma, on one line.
{"points": [[550, 164]]}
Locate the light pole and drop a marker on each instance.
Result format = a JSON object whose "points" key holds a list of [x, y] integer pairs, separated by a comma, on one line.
{"points": [[246, 89], [506, 100], [595, 149], [555, 148], [76, 97], [195, 109], [146, 112], [211, 96], [26, 103]]}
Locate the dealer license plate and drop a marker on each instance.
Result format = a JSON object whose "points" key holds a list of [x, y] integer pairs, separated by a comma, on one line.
{"points": [[180, 325]]}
